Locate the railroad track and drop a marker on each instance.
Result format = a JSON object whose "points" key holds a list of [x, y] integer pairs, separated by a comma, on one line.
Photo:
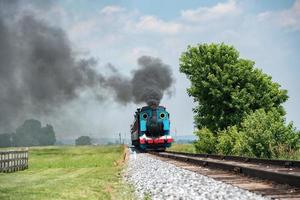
{"points": [[277, 179]]}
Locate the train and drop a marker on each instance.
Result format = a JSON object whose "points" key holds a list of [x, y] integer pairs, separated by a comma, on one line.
{"points": [[151, 128]]}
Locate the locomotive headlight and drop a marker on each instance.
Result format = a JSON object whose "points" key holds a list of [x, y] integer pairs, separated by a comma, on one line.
{"points": [[162, 115], [145, 116]]}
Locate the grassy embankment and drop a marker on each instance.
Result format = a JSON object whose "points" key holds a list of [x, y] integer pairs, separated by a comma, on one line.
{"points": [[183, 148], [189, 148], [69, 173]]}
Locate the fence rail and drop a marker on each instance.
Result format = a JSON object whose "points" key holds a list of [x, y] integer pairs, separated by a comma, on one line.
{"points": [[13, 160]]}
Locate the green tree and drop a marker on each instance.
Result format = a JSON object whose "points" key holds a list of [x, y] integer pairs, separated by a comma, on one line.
{"points": [[83, 140], [31, 133], [47, 136], [6, 140], [227, 87], [28, 133]]}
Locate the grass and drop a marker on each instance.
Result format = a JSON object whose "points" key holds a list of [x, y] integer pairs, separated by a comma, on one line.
{"points": [[298, 155], [189, 148], [91, 172]]}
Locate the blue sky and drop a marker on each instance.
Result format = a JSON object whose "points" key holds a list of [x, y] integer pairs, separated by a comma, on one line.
{"points": [[119, 32], [169, 9]]}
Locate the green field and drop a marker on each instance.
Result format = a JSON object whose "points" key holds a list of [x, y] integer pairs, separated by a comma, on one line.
{"points": [[183, 148], [91, 172]]}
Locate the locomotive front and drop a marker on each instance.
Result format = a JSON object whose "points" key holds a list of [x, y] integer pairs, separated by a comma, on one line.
{"points": [[151, 128]]}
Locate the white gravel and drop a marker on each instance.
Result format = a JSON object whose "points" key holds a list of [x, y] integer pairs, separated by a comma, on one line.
{"points": [[160, 180]]}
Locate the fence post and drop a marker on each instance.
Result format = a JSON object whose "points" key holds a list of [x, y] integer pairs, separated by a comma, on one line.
{"points": [[1, 161]]}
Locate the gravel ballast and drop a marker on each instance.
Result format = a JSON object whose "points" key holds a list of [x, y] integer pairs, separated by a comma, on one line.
{"points": [[160, 180]]}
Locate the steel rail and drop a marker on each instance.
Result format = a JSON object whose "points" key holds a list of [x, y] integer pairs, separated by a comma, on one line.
{"points": [[253, 170], [276, 162]]}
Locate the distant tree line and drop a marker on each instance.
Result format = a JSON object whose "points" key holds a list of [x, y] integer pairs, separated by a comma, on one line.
{"points": [[239, 108], [30, 133], [83, 140]]}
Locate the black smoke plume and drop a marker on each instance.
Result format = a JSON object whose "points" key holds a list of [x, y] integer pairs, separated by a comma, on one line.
{"points": [[151, 80], [147, 84], [39, 71]]}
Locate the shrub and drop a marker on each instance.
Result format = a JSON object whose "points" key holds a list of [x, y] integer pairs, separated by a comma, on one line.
{"points": [[206, 142], [261, 134], [229, 141], [266, 135]]}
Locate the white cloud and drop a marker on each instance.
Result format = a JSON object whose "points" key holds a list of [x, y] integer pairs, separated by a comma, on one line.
{"points": [[209, 13], [264, 15], [151, 23], [140, 51], [82, 29], [111, 10], [289, 18]]}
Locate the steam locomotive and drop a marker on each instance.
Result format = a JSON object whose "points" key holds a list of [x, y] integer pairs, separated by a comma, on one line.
{"points": [[151, 128]]}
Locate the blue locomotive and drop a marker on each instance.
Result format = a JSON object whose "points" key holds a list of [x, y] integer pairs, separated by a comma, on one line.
{"points": [[151, 128]]}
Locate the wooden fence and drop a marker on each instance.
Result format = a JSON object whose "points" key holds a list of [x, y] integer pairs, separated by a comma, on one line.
{"points": [[13, 160]]}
